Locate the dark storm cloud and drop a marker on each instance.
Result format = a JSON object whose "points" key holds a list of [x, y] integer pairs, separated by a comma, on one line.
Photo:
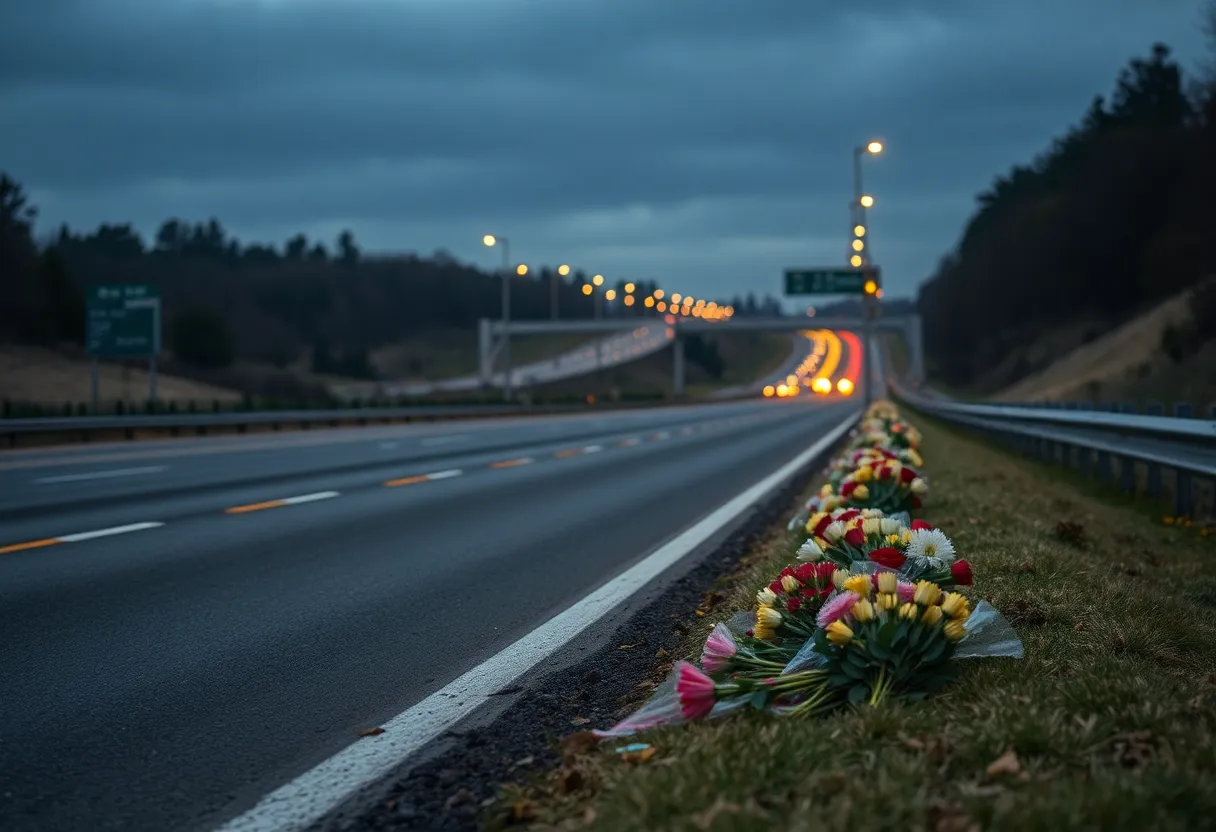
{"points": [[567, 118]]}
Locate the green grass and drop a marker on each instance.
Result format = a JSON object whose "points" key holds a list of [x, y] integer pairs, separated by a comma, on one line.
{"points": [[1109, 719], [450, 353]]}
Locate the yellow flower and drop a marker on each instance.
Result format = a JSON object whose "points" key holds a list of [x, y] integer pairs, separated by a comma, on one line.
{"points": [[831, 503], [915, 458], [839, 633], [766, 597], [895, 468], [871, 513], [839, 577], [814, 521], [955, 630], [790, 584], [863, 474], [860, 584], [932, 616], [927, 593], [909, 611], [826, 491], [821, 543], [861, 493], [892, 539], [953, 604], [887, 582], [887, 600], [767, 622], [905, 536], [852, 523], [863, 611]]}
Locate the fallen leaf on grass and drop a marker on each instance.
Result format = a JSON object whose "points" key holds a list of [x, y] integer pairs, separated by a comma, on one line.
{"points": [[1007, 763], [660, 653], [578, 744], [522, 811], [371, 732], [579, 720], [629, 646], [1134, 750]]}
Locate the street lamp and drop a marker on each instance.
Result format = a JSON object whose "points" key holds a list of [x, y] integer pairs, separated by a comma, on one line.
{"points": [[489, 241], [597, 281]]}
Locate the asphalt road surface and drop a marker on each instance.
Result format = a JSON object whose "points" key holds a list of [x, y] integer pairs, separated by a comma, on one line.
{"points": [[189, 624]]}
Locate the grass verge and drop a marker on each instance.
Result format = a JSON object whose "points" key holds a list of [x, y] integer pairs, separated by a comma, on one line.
{"points": [[1108, 722]]}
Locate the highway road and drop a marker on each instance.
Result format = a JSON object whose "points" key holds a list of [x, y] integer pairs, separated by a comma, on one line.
{"points": [[189, 624]]}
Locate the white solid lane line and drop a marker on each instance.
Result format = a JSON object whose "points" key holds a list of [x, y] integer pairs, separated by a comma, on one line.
{"points": [[101, 475], [443, 475], [310, 796], [593, 449], [133, 527], [309, 498]]}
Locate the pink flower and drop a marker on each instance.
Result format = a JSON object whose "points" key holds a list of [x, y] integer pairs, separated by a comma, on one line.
{"points": [[718, 649], [835, 609], [905, 591], [695, 691]]}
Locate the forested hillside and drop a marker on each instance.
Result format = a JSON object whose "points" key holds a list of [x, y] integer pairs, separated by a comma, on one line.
{"points": [[227, 300], [1116, 215]]}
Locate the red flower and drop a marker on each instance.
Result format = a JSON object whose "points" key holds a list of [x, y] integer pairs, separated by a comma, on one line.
{"points": [[960, 570], [847, 489], [810, 592], [825, 592], [916, 503], [793, 604], [822, 525], [920, 526], [806, 573], [825, 570], [776, 587], [888, 556], [855, 537], [883, 471], [906, 475], [846, 516], [789, 570]]}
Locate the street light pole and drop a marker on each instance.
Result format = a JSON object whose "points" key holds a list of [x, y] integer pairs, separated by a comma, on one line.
{"points": [[492, 240], [869, 299]]}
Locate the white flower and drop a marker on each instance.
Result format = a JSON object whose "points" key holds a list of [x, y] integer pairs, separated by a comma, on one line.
{"points": [[918, 486], [870, 526], [931, 546], [766, 597], [790, 584], [834, 531], [809, 551], [888, 526], [870, 513]]}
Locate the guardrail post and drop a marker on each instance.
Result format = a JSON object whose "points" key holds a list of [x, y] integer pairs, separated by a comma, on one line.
{"points": [[1127, 470], [1183, 410], [1154, 480], [1085, 459], [1184, 497], [1212, 412], [1105, 473], [1154, 409]]}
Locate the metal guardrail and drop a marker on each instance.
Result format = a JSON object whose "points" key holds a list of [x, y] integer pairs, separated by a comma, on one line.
{"points": [[1110, 445], [200, 423]]}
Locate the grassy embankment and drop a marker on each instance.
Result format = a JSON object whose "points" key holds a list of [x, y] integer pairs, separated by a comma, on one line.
{"points": [[1108, 723]]}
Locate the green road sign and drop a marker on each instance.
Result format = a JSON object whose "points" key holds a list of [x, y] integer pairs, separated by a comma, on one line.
{"points": [[831, 281], [123, 321]]}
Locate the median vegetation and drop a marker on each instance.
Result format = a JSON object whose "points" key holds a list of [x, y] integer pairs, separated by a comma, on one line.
{"points": [[1107, 720]]}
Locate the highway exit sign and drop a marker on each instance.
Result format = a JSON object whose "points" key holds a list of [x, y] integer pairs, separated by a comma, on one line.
{"points": [[123, 321], [830, 281]]}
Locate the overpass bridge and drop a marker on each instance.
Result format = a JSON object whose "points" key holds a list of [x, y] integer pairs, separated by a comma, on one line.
{"points": [[492, 332]]}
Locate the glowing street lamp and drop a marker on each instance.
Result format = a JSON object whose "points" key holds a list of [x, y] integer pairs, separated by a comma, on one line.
{"points": [[490, 241]]}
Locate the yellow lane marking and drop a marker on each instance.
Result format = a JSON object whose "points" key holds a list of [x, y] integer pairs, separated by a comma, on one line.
{"points": [[32, 544], [511, 463], [286, 501]]}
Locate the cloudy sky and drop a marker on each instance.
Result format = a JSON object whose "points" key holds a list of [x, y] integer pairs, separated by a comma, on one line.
{"points": [[704, 143]]}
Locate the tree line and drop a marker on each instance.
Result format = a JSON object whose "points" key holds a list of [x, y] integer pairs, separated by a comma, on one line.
{"points": [[1116, 215], [225, 299]]}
